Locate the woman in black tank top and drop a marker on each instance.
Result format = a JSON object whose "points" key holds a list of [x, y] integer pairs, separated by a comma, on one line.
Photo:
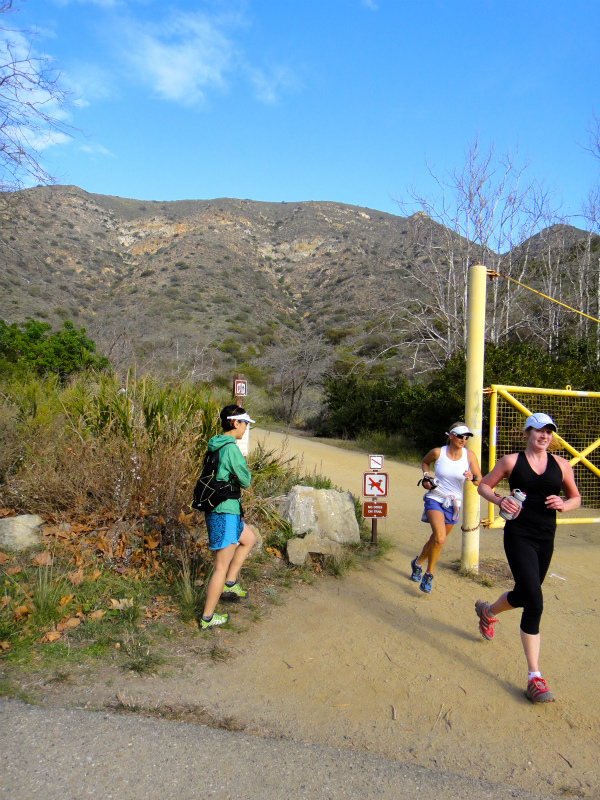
{"points": [[529, 537]]}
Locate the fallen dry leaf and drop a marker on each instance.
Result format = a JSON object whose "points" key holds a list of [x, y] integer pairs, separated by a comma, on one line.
{"points": [[95, 574], [4, 558], [4, 601], [96, 614], [76, 577], [119, 605], [21, 612], [186, 519], [4, 645], [274, 552], [76, 527], [51, 636], [13, 570], [42, 559], [151, 542], [68, 624], [66, 599], [104, 546]]}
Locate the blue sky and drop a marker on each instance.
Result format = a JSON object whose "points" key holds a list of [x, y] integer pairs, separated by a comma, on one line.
{"points": [[339, 100]]}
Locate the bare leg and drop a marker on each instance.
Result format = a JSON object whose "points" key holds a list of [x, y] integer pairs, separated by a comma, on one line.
{"points": [[531, 646], [433, 546], [246, 542], [500, 605], [216, 583]]}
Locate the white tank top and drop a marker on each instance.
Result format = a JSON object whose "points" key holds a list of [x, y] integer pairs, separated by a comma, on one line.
{"points": [[449, 475]]}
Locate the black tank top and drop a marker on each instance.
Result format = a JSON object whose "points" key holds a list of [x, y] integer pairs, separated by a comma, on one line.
{"points": [[536, 520]]}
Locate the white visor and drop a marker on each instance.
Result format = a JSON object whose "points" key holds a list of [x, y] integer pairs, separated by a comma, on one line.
{"points": [[242, 418], [460, 430]]}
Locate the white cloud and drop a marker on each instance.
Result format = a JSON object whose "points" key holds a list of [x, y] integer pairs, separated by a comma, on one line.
{"points": [[96, 149], [268, 85], [370, 4], [35, 139], [181, 59], [88, 82]]}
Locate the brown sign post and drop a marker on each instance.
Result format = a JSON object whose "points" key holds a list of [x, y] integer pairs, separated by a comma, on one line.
{"points": [[240, 389], [375, 486]]}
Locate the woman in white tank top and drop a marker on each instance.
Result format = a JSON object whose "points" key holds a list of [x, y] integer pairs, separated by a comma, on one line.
{"points": [[454, 465]]}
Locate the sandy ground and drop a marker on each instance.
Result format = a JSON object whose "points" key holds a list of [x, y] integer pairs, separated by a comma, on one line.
{"points": [[341, 658]]}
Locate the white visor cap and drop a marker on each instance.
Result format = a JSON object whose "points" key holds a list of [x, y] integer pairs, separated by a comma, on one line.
{"points": [[539, 421], [242, 417], [461, 430]]}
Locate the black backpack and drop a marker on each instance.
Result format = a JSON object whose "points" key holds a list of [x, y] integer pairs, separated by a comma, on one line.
{"points": [[209, 492]]}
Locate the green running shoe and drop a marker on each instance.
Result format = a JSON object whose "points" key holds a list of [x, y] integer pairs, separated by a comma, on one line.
{"points": [[214, 621], [234, 591]]}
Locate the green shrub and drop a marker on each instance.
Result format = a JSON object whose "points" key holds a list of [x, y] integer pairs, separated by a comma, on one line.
{"points": [[29, 347]]}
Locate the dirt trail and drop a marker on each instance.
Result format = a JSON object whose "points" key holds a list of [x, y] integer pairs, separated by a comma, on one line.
{"points": [[330, 665]]}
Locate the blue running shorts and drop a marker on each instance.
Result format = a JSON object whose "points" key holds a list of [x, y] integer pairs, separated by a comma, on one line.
{"points": [[433, 505], [223, 529]]}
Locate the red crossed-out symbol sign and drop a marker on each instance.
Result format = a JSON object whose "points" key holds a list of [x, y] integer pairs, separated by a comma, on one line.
{"points": [[375, 484]]}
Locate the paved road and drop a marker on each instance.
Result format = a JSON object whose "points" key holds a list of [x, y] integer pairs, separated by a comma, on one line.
{"points": [[58, 754]]}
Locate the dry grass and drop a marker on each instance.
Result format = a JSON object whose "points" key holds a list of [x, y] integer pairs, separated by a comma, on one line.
{"points": [[96, 447]]}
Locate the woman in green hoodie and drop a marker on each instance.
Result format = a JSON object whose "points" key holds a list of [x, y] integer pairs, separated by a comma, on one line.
{"points": [[228, 535]]}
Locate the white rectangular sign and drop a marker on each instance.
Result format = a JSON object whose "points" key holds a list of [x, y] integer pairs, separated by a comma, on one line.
{"points": [[375, 462], [240, 388]]}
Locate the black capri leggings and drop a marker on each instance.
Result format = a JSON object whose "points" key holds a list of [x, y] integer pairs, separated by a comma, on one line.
{"points": [[529, 561]]}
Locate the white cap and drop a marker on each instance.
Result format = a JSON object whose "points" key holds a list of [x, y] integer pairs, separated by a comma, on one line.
{"points": [[539, 421], [242, 417], [460, 430]]}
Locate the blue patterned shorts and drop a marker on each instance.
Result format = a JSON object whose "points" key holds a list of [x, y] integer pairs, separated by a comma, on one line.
{"points": [[223, 529]]}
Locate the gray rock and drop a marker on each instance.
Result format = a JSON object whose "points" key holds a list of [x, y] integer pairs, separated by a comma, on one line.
{"points": [[324, 512], [299, 549], [20, 533], [257, 549]]}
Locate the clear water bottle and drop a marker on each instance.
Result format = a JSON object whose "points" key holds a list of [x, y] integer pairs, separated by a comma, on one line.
{"points": [[518, 497]]}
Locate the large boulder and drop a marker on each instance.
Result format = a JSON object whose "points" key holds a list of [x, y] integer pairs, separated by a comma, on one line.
{"points": [[299, 549], [325, 512], [20, 533]]}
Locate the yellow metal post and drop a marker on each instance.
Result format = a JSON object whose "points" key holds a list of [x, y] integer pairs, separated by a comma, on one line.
{"points": [[493, 440], [474, 410]]}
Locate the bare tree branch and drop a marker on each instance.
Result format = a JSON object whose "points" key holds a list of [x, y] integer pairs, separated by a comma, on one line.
{"points": [[32, 108]]}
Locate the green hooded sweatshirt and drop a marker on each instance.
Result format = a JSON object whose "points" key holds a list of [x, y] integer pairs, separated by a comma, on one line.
{"points": [[231, 465]]}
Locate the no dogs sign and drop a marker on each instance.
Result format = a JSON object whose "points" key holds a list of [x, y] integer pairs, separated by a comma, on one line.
{"points": [[375, 484]]}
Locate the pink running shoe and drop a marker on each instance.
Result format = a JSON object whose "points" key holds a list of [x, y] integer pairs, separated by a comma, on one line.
{"points": [[538, 692], [485, 621]]}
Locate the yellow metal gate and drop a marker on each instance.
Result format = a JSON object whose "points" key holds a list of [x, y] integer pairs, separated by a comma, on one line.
{"points": [[577, 415]]}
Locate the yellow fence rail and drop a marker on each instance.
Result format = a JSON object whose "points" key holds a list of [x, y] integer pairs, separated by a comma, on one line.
{"points": [[577, 415]]}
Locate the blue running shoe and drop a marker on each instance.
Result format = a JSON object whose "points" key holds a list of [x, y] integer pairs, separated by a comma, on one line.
{"points": [[416, 571], [426, 582]]}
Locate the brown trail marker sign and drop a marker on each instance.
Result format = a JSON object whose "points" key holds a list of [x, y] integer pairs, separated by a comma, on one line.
{"points": [[374, 510]]}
